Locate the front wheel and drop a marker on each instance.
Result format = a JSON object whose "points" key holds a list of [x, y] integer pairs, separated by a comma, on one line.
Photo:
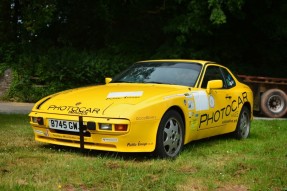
{"points": [[169, 141], [243, 125]]}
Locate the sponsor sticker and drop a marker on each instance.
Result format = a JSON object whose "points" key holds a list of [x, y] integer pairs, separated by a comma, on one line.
{"points": [[124, 94], [39, 132], [145, 118], [190, 104], [201, 100], [110, 140], [46, 133], [139, 144], [211, 101], [173, 96]]}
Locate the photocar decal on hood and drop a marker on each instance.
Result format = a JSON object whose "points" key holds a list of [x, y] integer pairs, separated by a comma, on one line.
{"points": [[112, 95], [73, 109]]}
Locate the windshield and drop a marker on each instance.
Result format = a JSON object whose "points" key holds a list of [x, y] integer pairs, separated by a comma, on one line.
{"points": [[177, 73]]}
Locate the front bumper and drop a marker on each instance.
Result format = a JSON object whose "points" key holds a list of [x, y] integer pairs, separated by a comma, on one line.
{"points": [[139, 137]]}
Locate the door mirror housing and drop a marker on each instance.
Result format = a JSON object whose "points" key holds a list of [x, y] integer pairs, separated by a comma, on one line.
{"points": [[108, 80], [214, 84]]}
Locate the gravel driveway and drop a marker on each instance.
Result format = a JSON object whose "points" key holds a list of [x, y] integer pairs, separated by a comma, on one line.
{"points": [[13, 107]]}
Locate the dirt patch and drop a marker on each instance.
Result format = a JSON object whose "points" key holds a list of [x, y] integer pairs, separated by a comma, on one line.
{"points": [[113, 165], [187, 170], [193, 185], [196, 184], [232, 187]]}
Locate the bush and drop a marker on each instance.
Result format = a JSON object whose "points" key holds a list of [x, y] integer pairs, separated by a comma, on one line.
{"points": [[37, 74]]}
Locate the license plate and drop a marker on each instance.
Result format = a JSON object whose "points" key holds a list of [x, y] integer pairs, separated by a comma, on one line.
{"points": [[64, 125]]}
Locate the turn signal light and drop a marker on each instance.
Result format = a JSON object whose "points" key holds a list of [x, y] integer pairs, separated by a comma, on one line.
{"points": [[121, 127]]}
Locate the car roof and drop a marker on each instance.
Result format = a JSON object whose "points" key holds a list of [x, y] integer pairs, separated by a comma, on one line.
{"points": [[203, 62]]}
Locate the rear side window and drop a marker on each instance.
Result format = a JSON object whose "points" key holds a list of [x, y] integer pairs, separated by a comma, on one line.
{"points": [[228, 79]]}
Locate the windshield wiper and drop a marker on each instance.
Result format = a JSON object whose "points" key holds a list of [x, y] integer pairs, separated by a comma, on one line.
{"points": [[154, 82], [147, 82], [120, 81]]}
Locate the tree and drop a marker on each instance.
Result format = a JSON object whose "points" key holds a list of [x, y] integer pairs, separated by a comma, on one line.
{"points": [[55, 39]]}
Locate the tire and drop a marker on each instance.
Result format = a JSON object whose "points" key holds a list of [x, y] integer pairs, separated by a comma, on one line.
{"points": [[169, 141], [274, 103], [243, 125]]}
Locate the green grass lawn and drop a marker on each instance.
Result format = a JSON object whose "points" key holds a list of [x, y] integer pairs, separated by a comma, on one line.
{"points": [[220, 163]]}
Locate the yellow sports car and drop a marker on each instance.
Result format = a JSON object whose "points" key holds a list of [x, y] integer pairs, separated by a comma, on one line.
{"points": [[153, 106]]}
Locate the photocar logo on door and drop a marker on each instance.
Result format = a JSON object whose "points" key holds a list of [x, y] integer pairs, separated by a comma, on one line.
{"points": [[224, 112]]}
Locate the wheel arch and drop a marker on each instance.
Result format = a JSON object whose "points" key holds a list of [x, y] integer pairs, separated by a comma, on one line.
{"points": [[248, 105], [178, 113], [242, 129], [181, 113]]}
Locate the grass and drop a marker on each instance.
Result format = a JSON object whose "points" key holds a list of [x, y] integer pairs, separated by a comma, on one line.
{"points": [[220, 163]]}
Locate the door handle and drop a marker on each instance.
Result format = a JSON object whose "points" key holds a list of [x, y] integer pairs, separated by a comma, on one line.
{"points": [[228, 97]]}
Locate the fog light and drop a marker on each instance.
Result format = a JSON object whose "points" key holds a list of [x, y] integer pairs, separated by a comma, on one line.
{"points": [[38, 120], [34, 119], [104, 126], [121, 127]]}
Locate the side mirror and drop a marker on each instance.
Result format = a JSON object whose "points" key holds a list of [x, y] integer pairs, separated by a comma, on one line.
{"points": [[214, 84], [108, 80]]}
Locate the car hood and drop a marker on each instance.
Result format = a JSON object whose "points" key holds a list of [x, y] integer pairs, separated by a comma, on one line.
{"points": [[111, 100]]}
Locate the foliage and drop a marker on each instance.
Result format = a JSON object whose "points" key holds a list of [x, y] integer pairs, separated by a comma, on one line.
{"points": [[70, 43], [6, 57], [59, 69], [218, 163], [3, 67]]}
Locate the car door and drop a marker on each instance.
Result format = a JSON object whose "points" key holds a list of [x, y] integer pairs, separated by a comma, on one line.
{"points": [[236, 99], [218, 117]]}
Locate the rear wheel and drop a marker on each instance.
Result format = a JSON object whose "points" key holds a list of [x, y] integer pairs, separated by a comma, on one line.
{"points": [[243, 125], [274, 103], [170, 133]]}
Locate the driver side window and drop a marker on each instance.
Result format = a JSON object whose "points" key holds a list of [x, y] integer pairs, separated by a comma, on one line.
{"points": [[211, 73]]}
